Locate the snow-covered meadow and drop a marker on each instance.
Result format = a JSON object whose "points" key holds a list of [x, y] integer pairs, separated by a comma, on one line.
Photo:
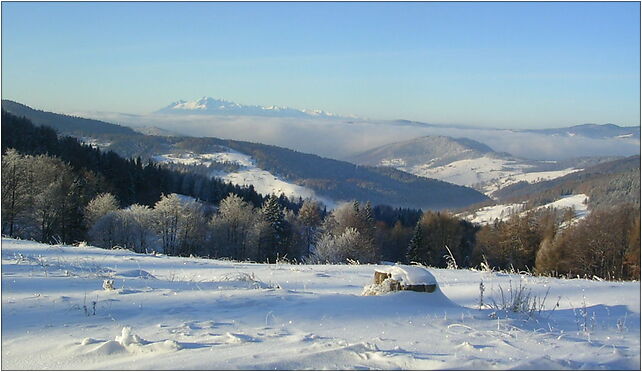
{"points": [[248, 173], [191, 313], [503, 212]]}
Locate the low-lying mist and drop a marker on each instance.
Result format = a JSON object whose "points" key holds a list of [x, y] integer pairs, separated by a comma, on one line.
{"points": [[339, 139]]}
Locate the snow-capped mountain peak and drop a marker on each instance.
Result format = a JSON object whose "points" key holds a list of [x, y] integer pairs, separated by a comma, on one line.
{"points": [[217, 106]]}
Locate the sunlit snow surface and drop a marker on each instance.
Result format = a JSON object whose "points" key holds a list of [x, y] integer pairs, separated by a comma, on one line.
{"points": [[486, 173], [263, 181], [189, 313], [503, 212]]}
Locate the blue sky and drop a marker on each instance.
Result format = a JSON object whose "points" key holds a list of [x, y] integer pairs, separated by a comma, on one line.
{"points": [[484, 64]]}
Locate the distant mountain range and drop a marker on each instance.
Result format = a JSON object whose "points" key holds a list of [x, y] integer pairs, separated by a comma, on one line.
{"points": [[595, 131], [270, 165], [600, 131], [215, 106]]}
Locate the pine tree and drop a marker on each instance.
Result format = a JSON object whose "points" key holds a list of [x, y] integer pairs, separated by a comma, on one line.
{"points": [[277, 238], [416, 250]]}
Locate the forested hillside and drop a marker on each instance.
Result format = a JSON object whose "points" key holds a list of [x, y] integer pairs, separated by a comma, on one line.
{"points": [[606, 184], [333, 179], [66, 124], [42, 164]]}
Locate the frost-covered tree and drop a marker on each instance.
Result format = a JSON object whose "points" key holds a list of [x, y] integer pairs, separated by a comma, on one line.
{"points": [[139, 220], [338, 249], [236, 229], [99, 206], [179, 225], [352, 216], [54, 197], [16, 190], [43, 197], [310, 220], [104, 232], [192, 226], [167, 214]]}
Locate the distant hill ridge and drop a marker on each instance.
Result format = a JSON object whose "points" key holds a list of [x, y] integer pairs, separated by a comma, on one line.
{"points": [[433, 150], [67, 124], [607, 184], [592, 131]]}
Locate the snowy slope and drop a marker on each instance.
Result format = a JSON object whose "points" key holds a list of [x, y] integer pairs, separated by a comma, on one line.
{"points": [[495, 184], [461, 161], [190, 313], [263, 181], [577, 202], [487, 174], [503, 212], [487, 215], [469, 172]]}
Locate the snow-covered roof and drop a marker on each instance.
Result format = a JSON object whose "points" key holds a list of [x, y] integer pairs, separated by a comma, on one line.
{"points": [[409, 275]]}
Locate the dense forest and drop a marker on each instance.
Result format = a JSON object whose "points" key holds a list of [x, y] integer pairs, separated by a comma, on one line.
{"points": [[55, 189]]}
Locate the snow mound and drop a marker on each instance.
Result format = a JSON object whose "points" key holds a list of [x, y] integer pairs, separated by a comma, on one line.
{"points": [[409, 275], [242, 279], [131, 343], [108, 348], [128, 338], [377, 289], [235, 338]]}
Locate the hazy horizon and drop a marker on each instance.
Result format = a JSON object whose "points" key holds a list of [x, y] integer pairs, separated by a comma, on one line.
{"points": [[498, 65]]}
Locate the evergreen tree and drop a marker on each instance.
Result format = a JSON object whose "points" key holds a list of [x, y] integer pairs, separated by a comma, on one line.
{"points": [[277, 239], [416, 250]]}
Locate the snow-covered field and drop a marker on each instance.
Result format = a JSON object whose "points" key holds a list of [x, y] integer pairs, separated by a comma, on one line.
{"points": [[191, 313], [531, 177], [487, 174], [469, 172], [577, 202], [503, 212], [263, 181]]}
